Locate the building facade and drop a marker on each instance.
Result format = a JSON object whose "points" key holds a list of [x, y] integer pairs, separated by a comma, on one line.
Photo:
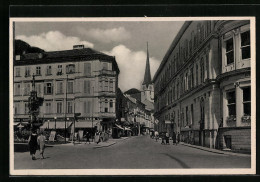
{"points": [[195, 94], [81, 80]]}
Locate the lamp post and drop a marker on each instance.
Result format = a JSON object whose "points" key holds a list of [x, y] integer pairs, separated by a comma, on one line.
{"points": [[55, 118]]}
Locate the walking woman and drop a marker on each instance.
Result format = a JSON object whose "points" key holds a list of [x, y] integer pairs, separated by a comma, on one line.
{"points": [[33, 144], [41, 142]]}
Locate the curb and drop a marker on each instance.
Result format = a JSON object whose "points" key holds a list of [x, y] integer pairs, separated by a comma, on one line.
{"points": [[216, 151]]}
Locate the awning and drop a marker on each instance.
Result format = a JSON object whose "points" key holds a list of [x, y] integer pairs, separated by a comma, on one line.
{"points": [[128, 129], [120, 127], [86, 124], [59, 125]]}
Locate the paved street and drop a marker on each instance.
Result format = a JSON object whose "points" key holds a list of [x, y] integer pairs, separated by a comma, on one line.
{"points": [[139, 152]]}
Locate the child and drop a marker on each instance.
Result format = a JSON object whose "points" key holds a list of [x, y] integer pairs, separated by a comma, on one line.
{"points": [[41, 142]]}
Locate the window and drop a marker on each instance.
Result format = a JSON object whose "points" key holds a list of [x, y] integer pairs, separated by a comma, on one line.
{"points": [[26, 108], [245, 45], [27, 72], [70, 68], [70, 87], [106, 86], [48, 70], [17, 89], [105, 66], [27, 88], [247, 100], [38, 70], [87, 68], [38, 88], [111, 86], [187, 115], [48, 88], [17, 72], [87, 86], [48, 107], [202, 71], [87, 107], [69, 107], [192, 77], [231, 98], [111, 105], [197, 74], [59, 87], [106, 106], [229, 51], [59, 70], [59, 107]]}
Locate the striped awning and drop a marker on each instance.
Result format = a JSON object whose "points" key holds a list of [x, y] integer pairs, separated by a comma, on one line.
{"points": [[59, 125]]}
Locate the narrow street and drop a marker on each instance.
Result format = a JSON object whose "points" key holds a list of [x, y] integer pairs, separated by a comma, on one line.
{"points": [[138, 152]]}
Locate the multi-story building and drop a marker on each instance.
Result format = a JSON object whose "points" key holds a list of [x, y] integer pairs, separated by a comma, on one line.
{"points": [[202, 87], [81, 80]]}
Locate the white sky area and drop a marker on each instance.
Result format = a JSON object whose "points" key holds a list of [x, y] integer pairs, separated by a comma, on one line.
{"points": [[124, 40]]}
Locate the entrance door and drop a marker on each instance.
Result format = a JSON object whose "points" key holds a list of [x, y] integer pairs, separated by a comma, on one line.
{"points": [[227, 139]]}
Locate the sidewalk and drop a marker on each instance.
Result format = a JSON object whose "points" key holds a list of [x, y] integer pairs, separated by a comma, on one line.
{"points": [[95, 145], [215, 150]]}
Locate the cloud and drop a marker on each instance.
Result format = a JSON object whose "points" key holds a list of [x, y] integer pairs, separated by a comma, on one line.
{"points": [[132, 66], [53, 41], [106, 35]]}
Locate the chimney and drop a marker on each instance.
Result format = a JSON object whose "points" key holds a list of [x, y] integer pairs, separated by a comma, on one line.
{"points": [[78, 47]]}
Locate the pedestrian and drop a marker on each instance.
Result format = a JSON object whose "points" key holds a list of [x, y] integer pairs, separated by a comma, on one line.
{"points": [[167, 138], [178, 138], [156, 135], [41, 142], [163, 138], [97, 137], [32, 141], [88, 136], [174, 139]]}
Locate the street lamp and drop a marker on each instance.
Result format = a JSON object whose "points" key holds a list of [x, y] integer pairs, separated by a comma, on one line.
{"points": [[55, 118]]}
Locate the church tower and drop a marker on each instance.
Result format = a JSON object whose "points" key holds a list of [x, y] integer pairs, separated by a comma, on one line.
{"points": [[147, 92]]}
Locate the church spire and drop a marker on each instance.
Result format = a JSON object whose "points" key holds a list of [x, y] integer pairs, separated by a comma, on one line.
{"points": [[147, 74]]}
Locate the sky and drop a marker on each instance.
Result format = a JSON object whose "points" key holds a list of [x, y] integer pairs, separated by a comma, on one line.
{"points": [[125, 40]]}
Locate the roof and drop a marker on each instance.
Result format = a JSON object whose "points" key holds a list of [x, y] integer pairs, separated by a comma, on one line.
{"points": [[171, 48], [147, 74], [59, 125], [64, 56]]}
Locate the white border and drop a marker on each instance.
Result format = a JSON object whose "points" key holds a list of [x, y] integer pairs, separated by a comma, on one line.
{"points": [[214, 171]]}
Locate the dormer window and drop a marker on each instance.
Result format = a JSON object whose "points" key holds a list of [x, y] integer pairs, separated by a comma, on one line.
{"points": [[70, 68]]}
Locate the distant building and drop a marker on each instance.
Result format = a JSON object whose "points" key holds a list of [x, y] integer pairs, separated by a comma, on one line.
{"points": [[202, 87], [81, 80]]}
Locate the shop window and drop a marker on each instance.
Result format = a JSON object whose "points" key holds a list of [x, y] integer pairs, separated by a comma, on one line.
{"points": [[230, 51], [247, 101], [245, 45], [231, 98]]}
